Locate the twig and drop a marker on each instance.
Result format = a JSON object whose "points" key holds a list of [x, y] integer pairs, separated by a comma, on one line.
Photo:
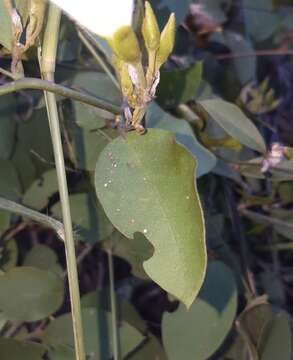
{"points": [[38, 84], [47, 64], [264, 219], [239, 233], [113, 306], [7, 73], [34, 215], [276, 52], [98, 58]]}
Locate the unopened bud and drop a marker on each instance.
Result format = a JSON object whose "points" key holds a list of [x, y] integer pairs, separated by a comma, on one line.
{"points": [[167, 41], [125, 45], [150, 29], [125, 80]]}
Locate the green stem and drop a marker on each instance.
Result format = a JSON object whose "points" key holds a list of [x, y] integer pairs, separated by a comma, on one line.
{"points": [[98, 59], [48, 221], [38, 84], [266, 220], [113, 306], [48, 61]]}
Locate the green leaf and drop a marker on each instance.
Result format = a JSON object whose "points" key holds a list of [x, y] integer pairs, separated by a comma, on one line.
{"points": [[278, 344], [88, 144], [38, 194], [10, 187], [146, 184], [156, 117], [260, 18], [201, 330], [235, 123], [152, 349], [44, 258], [135, 251], [9, 256], [11, 349], [269, 332], [245, 66], [125, 311], [163, 8], [29, 294], [61, 352], [7, 125], [98, 84], [5, 26], [98, 334], [34, 153], [216, 9], [178, 86], [4, 221], [88, 216]]}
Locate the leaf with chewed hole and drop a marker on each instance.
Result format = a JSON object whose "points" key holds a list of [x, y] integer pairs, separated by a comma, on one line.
{"points": [[146, 184]]}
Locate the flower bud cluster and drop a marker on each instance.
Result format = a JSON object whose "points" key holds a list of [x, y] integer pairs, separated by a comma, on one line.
{"points": [[138, 83]]}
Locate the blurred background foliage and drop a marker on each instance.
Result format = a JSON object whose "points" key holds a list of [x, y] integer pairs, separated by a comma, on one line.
{"points": [[226, 92]]}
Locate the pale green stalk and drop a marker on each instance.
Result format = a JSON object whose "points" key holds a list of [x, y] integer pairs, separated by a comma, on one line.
{"points": [[113, 306], [48, 60], [48, 221], [48, 86], [98, 58]]}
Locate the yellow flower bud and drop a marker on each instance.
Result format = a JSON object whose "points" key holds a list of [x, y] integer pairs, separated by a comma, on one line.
{"points": [[125, 45], [125, 80], [150, 29], [167, 41]]}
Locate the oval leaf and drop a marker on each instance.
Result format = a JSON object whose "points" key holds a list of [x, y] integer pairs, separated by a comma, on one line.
{"points": [[11, 349], [235, 123], [204, 327], [29, 294], [98, 335], [146, 184]]}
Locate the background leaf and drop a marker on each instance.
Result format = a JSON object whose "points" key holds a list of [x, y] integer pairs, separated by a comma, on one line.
{"points": [[156, 117], [163, 8], [88, 216], [38, 194], [235, 123], [29, 294], [11, 349], [7, 125], [269, 332], [139, 173], [178, 86], [204, 327], [97, 329], [44, 258]]}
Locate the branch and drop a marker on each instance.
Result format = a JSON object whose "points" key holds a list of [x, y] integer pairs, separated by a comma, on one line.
{"points": [[38, 84]]}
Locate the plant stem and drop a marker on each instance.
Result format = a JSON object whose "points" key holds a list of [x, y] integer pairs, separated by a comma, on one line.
{"points": [[98, 58], [113, 306], [16, 208], [48, 60], [38, 84], [264, 219]]}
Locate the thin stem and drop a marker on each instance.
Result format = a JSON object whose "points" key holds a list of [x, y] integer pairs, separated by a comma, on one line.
{"points": [[7, 73], [264, 219], [48, 221], [113, 306], [273, 52], [98, 58], [48, 86], [48, 61]]}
